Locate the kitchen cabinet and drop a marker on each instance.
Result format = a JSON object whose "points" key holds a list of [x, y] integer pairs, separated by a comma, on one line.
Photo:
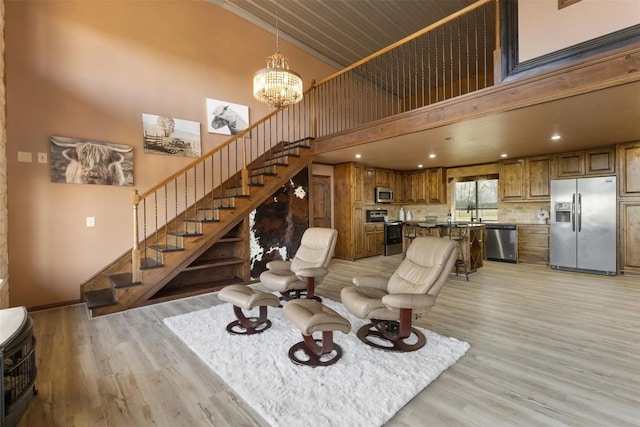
{"points": [[437, 185], [629, 169], [374, 239], [629, 237], [349, 217], [525, 180], [398, 187], [369, 186], [628, 166], [539, 172], [415, 187], [533, 244], [598, 162], [425, 186], [384, 178], [511, 182]]}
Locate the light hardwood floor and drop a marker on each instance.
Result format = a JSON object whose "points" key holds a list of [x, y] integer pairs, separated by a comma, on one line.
{"points": [[547, 349]]}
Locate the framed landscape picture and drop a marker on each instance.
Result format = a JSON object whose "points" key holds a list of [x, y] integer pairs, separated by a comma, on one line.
{"points": [[171, 136], [226, 118]]}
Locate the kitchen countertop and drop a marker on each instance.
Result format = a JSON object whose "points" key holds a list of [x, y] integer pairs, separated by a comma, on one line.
{"points": [[438, 224]]}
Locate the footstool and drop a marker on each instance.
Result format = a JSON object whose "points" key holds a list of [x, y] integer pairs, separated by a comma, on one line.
{"points": [[311, 316], [245, 298]]}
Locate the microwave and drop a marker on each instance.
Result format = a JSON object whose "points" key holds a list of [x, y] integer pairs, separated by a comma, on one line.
{"points": [[384, 195]]}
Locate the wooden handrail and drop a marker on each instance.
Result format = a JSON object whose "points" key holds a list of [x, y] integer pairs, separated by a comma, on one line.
{"points": [[407, 39]]}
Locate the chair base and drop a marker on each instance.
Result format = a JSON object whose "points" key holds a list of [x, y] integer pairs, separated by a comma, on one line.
{"points": [[385, 332], [298, 294], [317, 352], [249, 325]]}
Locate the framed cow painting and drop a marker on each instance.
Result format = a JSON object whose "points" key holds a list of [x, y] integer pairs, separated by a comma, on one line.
{"points": [[226, 118], [80, 161]]}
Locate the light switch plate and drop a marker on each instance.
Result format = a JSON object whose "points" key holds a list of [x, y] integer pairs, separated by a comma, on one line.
{"points": [[91, 221], [24, 156]]}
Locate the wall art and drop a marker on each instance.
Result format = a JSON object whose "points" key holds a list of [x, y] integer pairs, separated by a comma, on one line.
{"points": [[80, 161], [171, 136], [226, 118]]}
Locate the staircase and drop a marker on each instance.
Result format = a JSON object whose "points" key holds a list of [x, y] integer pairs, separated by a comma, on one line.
{"points": [[208, 248]]}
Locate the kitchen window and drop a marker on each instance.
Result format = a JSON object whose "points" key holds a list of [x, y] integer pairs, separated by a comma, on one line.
{"points": [[476, 198]]}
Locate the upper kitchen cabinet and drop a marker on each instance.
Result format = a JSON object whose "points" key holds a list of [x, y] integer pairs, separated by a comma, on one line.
{"points": [[425, 186], [524, 180], [369, 185], [599, 162], [398, 187], [539, 172], [629, 169], [437, 185], [385, 178], [415, 187], [511, 180]]}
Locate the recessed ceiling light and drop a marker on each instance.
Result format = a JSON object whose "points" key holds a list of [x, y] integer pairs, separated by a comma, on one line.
{"points": [[503, 155], [420, 165], [555, 137], [358, 156], [432, 156]]}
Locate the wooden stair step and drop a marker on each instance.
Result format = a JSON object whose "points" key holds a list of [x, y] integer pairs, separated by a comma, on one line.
{"points": [[166, 248], [224, 203], [122, 280], [149, 263], [264, 170], [99, 298], [280, 161]]}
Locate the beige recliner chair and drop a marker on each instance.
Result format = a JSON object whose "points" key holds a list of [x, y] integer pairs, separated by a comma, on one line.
{"points": [[299, 277], [392, 304]]}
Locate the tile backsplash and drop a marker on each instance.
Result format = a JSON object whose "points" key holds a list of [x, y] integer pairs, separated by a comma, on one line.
{"points": [[517, 213]]}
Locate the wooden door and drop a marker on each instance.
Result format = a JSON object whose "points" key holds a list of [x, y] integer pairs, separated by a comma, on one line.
{"points": [[321, 201]]}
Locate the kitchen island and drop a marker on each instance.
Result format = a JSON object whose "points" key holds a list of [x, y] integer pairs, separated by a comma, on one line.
{"points": [[472, 245]]}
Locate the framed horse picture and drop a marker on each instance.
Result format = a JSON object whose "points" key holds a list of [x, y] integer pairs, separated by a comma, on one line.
{"points": [[226, 118]]}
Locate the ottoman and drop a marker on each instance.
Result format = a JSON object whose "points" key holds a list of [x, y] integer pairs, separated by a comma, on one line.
{"points": [[311, 316], [245, 298]]}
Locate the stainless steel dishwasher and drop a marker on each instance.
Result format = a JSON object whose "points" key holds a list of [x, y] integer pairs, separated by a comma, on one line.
{"points": [[501, 242]]}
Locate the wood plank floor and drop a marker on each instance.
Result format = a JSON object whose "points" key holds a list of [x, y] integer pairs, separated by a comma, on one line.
{"points": [[547, 349]]}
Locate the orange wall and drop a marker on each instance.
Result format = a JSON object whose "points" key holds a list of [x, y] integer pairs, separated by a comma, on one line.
{"points": [[89, 69]]}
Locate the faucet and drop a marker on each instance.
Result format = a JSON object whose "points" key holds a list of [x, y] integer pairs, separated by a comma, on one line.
{"points": [[472, 218]]}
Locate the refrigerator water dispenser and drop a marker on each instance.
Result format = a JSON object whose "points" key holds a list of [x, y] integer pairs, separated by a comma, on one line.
{"points": [[563, 212]]}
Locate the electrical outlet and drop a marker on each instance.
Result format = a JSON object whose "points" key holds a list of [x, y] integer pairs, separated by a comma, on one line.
{"points": [[42, 157], [91, 221]]}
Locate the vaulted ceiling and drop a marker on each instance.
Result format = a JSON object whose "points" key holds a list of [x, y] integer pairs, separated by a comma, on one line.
{"points": [[341, 32]]}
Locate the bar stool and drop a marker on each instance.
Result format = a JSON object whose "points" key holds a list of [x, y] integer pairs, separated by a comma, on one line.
{"points": [[459, 234], [409, 232]]}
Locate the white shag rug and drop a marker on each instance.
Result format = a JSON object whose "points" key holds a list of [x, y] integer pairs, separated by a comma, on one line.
{"points": [[366, 387]]}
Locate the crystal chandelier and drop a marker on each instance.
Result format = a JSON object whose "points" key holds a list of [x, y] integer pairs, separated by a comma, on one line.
{"points": [[276, 85]]}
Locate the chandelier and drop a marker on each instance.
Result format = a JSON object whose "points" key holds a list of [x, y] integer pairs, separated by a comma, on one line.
{"points": [[276, 85]]}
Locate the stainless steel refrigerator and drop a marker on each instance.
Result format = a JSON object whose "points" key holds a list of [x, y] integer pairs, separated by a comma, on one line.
{"points": [[583, 225]]}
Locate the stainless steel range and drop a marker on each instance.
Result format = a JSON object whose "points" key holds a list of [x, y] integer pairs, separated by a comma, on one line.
{"points": [[392, 231]]}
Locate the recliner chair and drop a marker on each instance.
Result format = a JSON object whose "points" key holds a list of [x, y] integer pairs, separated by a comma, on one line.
{"points": [[299, 277], [393, 304]]}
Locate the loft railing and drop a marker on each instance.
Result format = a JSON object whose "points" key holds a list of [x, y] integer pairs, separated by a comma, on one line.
{"points": [[450, 58]]}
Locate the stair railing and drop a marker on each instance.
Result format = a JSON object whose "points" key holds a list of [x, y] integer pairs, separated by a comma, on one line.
{"points": [[177, 206]]}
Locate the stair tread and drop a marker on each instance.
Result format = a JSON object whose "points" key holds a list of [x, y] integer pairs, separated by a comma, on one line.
{"points": [[122, 280], [99, 298], [166, 248], [149, 263]]}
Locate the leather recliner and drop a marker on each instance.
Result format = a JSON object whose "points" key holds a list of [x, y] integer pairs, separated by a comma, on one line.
{"points": [[299, 277], [393, 304]]}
